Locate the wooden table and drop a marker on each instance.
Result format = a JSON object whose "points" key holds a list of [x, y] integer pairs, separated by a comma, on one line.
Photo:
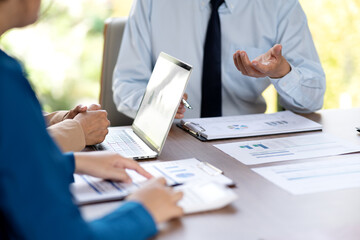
{"points": [[263, 211]]}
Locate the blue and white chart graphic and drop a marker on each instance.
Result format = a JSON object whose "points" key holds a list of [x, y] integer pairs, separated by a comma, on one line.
{"points": [[87, 189], [182, 171], [250, 125], [287, 148]]}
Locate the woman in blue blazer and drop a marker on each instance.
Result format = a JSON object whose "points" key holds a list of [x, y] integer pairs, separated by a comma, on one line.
{"points": [[35, 200]]}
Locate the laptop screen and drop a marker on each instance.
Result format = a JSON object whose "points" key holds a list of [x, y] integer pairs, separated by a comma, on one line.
{"points": [[161, 100]]}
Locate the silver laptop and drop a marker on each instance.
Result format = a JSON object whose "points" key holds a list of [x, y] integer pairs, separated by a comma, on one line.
{"points": [[147, 135]]}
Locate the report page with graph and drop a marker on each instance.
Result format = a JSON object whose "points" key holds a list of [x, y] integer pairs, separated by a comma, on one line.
{"points": [[205, 187], [288, 148], [248, 125]]}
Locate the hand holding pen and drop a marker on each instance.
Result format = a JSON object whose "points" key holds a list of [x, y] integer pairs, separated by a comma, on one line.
{"points": [[186, 104], [182, 107]]}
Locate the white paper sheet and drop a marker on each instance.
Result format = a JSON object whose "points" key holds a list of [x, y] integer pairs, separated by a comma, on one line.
{"points": [[318, 176], [182, 171], [287, 148], [87, 189], [250, 125]]}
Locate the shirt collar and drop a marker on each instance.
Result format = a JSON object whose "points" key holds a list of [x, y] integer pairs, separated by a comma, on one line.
{"points": [[230, 4]]}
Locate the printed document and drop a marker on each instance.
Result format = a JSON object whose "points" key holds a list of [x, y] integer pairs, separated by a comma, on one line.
{"points": [[248, 125], [287, 148], [87, 189], [339, 172]]}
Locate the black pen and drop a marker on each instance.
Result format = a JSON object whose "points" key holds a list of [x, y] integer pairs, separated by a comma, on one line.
{"points": [[175, 184]]}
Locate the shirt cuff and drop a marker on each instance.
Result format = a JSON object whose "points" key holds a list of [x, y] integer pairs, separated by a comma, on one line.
{"points": [[287, 84]]}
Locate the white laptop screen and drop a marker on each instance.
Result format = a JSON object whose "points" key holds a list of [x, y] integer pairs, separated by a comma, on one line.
{"points": [[161, 99]]}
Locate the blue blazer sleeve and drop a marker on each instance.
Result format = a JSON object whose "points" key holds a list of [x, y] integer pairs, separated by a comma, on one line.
{"points": [[35, 199]]}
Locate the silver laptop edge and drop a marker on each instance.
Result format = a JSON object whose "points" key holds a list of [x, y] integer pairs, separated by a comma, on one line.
{"points": [[139, 132]]}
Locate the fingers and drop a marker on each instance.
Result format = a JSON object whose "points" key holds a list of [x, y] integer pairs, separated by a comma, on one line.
{"points": [[181, 111], [104, 115], [161, 181], [177, 196], [238, 62], [94, 125], [102, 135], [179, 116], [243, 64], [82, 109], [133, 165], [117, 174], [277, 51], [143, 172], [160, 201], [177, 210], [267, 64], [106, 120], [94, 107], [273, 64], [73, 112], [78, 109], [96, 120], [250, 70]]}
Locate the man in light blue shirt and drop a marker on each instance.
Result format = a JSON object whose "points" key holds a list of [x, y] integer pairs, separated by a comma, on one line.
{"points": [[248, 27]]}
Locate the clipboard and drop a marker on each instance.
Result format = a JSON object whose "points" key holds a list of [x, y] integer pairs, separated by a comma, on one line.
{"points": [[251, 125], [192, 132]]}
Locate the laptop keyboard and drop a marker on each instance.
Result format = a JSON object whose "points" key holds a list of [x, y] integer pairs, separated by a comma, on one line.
{"points": [[122, 143]]}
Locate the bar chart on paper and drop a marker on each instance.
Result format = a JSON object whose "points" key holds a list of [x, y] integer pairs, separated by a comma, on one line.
{"points": [[254, 146], [179, 171], [87, 189], [182, 171], [288, 148]]}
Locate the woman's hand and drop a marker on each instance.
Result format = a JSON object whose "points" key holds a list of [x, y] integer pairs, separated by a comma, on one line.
{"points": [[107, 165], [159, 200]]}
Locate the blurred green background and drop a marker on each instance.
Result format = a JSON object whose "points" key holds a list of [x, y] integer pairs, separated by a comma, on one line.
{"points": [[63, 51]]}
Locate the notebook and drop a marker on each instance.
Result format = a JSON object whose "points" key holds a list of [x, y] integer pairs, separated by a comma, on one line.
{"points": [[247, 125], [147, 135]]}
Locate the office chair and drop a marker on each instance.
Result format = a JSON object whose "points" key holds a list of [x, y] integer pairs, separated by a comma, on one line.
{"points": [[113, 32]]}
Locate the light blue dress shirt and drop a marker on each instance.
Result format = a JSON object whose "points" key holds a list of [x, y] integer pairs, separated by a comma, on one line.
{"points": [[178, 27]]}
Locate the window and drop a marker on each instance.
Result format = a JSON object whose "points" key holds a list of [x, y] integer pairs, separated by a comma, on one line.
{"points": [[65, 50]]}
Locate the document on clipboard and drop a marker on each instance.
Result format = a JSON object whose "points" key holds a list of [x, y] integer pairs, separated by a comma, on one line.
{"points": [[247, 125], [87, 189]]}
